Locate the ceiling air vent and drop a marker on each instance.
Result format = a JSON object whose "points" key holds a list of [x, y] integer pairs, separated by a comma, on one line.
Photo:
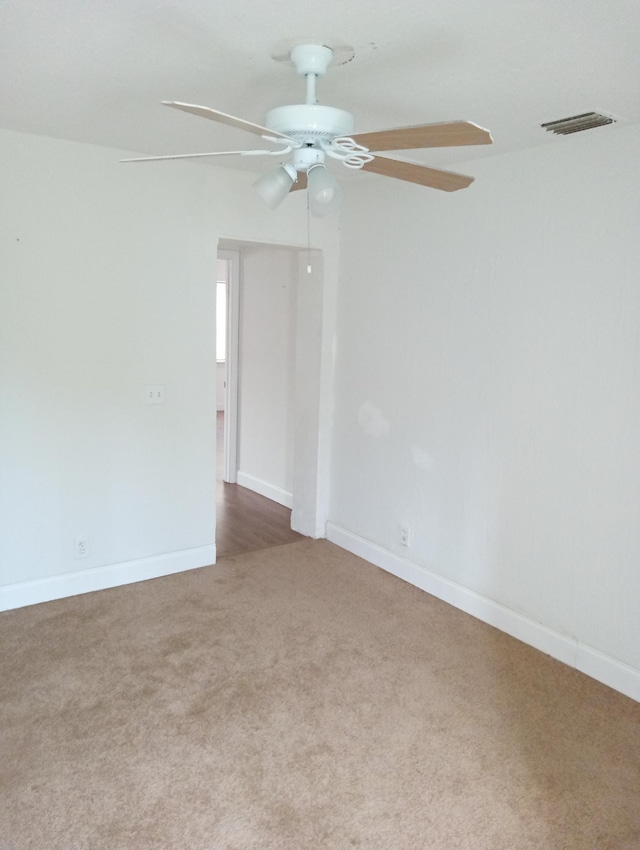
{"points": [[577, 123]]}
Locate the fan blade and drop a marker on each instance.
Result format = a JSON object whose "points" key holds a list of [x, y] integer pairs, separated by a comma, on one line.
{"points": [[432, 177], [195, 155], [223, 118], [301, 182], [443, 135]]}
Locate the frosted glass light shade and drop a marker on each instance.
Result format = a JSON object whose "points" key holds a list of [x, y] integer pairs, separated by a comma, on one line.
{"points": [[274, 186], [325, 193]]}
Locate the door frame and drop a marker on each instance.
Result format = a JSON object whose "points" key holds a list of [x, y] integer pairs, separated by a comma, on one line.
{"points": [[230, 472], [312, 396]]}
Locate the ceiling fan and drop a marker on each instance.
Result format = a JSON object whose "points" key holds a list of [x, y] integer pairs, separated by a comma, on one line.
{"points": [[310, 133]]}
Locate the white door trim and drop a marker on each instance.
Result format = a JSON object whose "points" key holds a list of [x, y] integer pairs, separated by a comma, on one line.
{"points": [[233, 359]]}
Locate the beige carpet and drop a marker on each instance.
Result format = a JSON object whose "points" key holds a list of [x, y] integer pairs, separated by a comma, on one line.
{"points": [[300, 698]]}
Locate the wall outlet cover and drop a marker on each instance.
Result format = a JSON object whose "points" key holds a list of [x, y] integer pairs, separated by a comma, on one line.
{"points": [[154, 394]]}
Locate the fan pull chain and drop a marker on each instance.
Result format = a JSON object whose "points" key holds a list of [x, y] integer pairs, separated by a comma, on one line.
{"points": [[308, 237]]}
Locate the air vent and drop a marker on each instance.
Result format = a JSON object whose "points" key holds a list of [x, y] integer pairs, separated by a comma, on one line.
{"points": [[578, 123]]}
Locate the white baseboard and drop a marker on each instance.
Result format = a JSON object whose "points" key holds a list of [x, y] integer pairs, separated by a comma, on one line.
{"points": [[99, 578], [282, 497], [605, 669]]}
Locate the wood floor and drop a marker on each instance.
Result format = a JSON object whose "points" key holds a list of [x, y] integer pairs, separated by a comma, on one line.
{"points": [[246, 521]]}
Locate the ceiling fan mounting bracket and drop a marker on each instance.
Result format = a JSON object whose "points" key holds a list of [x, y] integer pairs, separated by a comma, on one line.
{"points": [[311, 59], [341, 53]]}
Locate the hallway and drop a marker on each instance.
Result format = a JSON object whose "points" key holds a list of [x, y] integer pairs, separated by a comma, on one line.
{"points": [[246, 521]]}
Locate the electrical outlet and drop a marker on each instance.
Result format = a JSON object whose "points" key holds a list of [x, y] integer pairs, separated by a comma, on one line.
{"points": [[154, 394], [405, 536], [80, 547]]}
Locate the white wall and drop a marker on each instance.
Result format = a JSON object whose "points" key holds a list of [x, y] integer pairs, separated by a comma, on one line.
{"points": [[107, 284], [488, 382], [266, 393]]}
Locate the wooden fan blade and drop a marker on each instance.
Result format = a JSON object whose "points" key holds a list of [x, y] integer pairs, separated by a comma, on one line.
{"points": [[444, 135], [432, 177], [223, 118], [301, 182]]}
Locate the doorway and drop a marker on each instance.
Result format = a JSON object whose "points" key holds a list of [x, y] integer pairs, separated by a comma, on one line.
{"points": [[256, 301]]}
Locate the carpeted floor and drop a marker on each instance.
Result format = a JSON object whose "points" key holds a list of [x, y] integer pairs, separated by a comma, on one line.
{"points": [[300, 698]]}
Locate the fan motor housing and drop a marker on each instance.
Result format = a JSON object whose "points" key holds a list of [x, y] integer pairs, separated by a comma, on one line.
{"points": [[310, 123]]}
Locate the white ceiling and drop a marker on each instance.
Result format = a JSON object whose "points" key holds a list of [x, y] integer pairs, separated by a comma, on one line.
{"points": [[95, 71]]}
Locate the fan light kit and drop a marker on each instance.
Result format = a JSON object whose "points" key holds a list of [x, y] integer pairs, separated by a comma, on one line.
{"points": [[310, 133]]}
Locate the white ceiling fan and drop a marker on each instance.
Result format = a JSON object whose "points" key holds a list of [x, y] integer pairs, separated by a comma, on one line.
{"points": [[309, 133]]}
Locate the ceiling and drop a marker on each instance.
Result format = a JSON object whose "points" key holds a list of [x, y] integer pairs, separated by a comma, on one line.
{"points": [[97, 71]]}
